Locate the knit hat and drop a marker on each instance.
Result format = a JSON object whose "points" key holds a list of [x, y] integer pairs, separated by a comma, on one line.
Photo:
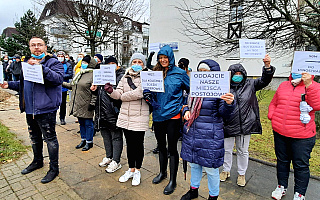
{"points": [[204, 66], [111, 59], [87, 59], [99, 56], [184, 61], [17, 56], [61, 53], [139, 56]]}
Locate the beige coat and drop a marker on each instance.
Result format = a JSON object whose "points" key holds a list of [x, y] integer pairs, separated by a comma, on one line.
{"points": [[134, 111]]}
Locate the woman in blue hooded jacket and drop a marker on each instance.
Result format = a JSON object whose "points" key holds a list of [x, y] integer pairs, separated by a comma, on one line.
{"points": [[166, 115], [203, 138]]}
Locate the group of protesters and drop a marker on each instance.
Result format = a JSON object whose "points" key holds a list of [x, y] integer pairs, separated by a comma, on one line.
{"points": [[210, 126]]}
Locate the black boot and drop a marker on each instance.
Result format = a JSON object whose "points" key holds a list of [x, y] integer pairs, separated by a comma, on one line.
{"points": [[51, 174], [82, 144], [63, 122], [87, 147], [33, 166], [212, 198], [174, 161], [163, 160], [191, 194]]}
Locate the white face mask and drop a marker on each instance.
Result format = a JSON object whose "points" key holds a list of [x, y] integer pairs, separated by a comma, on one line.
{"points": [[61, 59]]}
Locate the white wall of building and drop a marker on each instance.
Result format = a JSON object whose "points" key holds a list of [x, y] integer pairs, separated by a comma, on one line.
{"points": [[165, 25]]}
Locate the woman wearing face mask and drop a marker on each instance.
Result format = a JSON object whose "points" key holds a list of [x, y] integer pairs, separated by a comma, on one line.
{"points": [[67, 75], [133, 116], [82, 103], [78, 65], [294, 135], [166, 114], [245, 120]]}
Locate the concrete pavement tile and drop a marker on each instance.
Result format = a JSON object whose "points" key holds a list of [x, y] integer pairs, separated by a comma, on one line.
{"points": [[37, 196], [28, 194], [68, 159], [15, 176], [25, 183], [51, 190], [247, 195], [42, 187], [16, 186], [62, 197], [3, 183], [11, 197], [78, 172], [128, 195], [7, 173], [20, 178], [93, 152], [100, 187], [72, 194], [6, 193], [5, 188], [54, 195], [25, 190]]}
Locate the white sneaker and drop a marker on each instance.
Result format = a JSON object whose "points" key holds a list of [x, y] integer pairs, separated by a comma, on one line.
{"points": [[298, 196], [105, 162], [136, 178], [125, 177], [113, 166], [279, 192]]}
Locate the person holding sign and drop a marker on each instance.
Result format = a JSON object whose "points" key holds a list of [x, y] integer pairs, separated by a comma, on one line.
{"points": [[203, 138], [40, 102], [82, 103], [166, 114], [133, 116], [294, 134], [106, 115], [245, 120]]}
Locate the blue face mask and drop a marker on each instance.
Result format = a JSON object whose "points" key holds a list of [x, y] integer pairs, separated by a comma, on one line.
{"points": [[237, 78], [84, 66], [67, 59], [38, 57], [136, 68], [13, 60], [96, 59], [295, 76], [79, 59]]}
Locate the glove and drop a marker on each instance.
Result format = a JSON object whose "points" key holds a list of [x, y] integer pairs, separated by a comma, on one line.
{"points": [[108, 88], [91, 107], [147, 95]]}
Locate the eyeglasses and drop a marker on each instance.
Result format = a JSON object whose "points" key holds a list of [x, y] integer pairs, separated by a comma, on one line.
{"points": [[36, 45]]}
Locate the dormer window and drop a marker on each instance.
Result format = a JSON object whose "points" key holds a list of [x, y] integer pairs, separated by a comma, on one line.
{"points": [[48, 12]]}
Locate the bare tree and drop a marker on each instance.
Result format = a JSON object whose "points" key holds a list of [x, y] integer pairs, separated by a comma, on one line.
{"points": [[216, 25], [97, 22]]}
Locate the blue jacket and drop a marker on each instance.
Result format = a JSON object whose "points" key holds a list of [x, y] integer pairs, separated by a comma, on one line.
{"points": [[68, 73], [36, 98], [170, 102], [203, 144]]}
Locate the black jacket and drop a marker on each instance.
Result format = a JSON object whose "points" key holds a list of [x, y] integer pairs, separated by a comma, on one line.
{"points": [[15, 68], [107, 109], [5, 65], [245, 119]]}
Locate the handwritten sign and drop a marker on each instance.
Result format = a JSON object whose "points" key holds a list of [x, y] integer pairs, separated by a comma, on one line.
{"points": [[252, 48], [1, 73], [209, 84], [152, 81], [306, 61], [32, 73], [106, 74]]}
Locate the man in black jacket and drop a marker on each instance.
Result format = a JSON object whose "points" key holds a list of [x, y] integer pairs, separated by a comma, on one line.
{"points": [[15, 68]]}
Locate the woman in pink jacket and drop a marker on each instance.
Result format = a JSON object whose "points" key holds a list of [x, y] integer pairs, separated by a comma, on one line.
{"points": [[294, 135]]}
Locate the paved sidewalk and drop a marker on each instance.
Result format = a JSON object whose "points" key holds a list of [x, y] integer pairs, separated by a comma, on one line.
{"points": [[81, 178]]}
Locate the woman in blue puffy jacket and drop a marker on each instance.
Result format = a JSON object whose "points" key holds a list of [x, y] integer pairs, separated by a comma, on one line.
{"points": [[166, 115], [203, 138]]}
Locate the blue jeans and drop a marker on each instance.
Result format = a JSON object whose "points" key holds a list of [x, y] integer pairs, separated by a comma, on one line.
{"points": [[212, 174], [86, 128], [298, 151]]}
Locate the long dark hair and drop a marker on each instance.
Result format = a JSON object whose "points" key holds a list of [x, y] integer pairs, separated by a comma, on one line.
{"points": [[159, 67]]}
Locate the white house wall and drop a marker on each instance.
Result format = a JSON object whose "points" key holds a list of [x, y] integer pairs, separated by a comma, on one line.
{"points": [[165, 25]]}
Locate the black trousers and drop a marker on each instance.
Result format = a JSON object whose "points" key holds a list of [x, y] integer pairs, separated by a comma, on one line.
{"points": [[135, 147], [63, 107]]}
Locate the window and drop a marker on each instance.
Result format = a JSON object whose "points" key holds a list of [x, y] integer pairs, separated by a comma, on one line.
{"points": [[235, 19], [48, 12], [236, 13]]}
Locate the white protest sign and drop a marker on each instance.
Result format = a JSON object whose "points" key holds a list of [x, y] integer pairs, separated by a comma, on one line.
{"points": [[152, 80], [209, 84], [1, 73], [97, 77], [250, 48], [108, 74], [306, 61], [32, 73]]}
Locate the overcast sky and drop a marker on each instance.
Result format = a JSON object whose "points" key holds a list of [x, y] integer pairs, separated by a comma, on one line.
{"points": [[12, 10]]}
